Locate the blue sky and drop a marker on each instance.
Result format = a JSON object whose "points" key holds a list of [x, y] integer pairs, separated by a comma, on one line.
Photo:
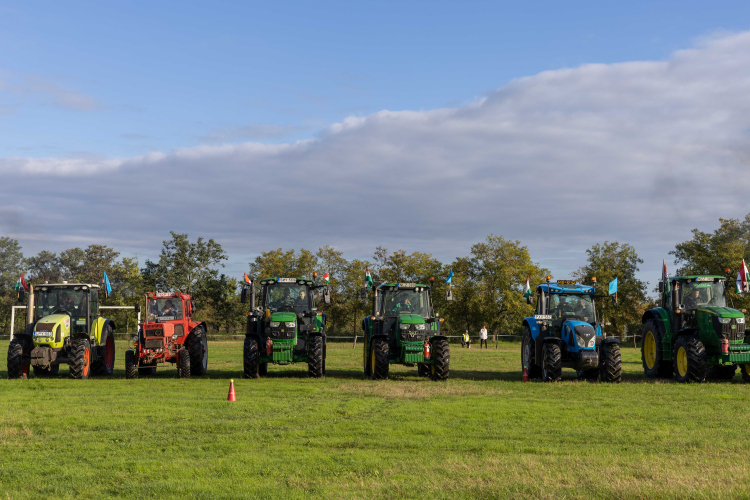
{"points": [[202, 112]]}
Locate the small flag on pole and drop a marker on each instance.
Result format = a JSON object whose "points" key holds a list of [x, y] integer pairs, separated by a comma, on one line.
{"points": [[326, 278], [527, 292], [742, 278], [21, 284], [107, 285], [450, 276], [613, 286], [247, 278], [665, 276], [368, 278]]}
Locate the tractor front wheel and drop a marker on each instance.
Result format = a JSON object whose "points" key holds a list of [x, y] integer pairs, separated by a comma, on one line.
{"points": [[105, 362], [250, 358], [552, 367], [721, 372], [379, 359], [183, 357], [15, 360], [130, 370], [689, 360], [652, 353], [198, 347], [80, 359], [528, 355], [610, 363], [441, 360], [315, 358]]}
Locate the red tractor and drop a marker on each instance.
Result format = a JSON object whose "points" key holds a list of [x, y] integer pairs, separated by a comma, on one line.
{"points": [[169, 335]]}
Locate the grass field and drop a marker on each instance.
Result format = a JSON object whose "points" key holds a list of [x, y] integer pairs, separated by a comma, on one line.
{"points": [[483, 434]]}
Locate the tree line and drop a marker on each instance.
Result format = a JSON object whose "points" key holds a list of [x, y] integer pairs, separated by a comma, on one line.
{"points": [[488, 284]]}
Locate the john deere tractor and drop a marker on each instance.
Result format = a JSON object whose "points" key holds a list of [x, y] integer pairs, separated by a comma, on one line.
{"points": [[404, 329], [566, 333], [694, 335], [286, 327], [63, 327]]}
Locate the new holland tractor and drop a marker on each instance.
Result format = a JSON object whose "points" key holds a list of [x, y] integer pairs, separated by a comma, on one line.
{"points": [[694, 335], [169, 335], [566, 333], [404, 329], [286, 327], [63, 327]]}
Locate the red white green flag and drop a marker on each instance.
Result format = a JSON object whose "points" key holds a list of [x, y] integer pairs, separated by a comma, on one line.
{"points": [[527, 292], [368, 278], [742, 278], [21, 284], [326, 278]]}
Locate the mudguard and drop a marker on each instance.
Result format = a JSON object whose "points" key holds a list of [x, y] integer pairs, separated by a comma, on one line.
{"points": [[97, 329]]}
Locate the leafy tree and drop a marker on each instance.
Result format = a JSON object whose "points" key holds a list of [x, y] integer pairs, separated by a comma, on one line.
{"points": [[45, 266], [224, 311], [11, 264], [290, 264]]}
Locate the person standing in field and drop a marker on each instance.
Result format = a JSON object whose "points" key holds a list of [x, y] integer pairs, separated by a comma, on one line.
{"points": [[483, 337], [465, 340]]}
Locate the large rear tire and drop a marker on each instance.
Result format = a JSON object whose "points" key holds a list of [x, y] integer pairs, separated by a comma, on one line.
{"points": [[315, 357], [105, 361], [379, 359], [250, 358], [441, 360], [610, 363], [652, 352], [197, 345], [552, 367], [183, 356], [130, 369], [528, 355], [721, 372], [80, 359], [689, 360], [15, 360]]}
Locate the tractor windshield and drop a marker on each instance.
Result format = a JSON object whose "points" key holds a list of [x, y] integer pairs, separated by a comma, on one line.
{"points": [[282, 297], [72, 301], [398, 302], [164, 309], [564, 307], [697, 294]]}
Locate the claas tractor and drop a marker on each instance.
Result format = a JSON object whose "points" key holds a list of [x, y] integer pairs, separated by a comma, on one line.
{"points": [[169, 334], [63, 327], [286, 327], [693, 334], [566, 333], [404, 329]]}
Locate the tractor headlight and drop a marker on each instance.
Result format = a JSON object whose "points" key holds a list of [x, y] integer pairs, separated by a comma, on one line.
{"points": [[274, 324], [740, 321], [175, 336], [404, 327], [290, 324], [420, 327], [583, 343], [724, 321]]}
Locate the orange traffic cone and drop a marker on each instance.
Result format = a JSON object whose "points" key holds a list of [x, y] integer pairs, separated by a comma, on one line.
{"points": [[525, 374], [231, 396]]}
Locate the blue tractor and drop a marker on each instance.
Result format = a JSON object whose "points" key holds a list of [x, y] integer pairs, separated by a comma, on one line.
{"points": [[564, 332]]}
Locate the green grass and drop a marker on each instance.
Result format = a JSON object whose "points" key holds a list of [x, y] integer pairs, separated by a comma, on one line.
{"points": [[483, 434]]}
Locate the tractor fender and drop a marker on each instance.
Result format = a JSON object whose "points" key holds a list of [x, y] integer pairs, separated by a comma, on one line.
{"points": [[438, 337], [197, 324], [611, 341], [532, 326], [97, 329], [659, 316]]}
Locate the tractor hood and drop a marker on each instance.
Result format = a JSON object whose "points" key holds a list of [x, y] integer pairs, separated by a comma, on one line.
{"points": [[47, 323], [411, 319], [585, 331], [283, 316], [722, 312]]}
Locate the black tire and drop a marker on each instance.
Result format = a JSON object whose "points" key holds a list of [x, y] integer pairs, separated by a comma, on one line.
{"points": [[263, 369], [250, 358], [423, 370], [745, 371], [183, 371], [528, 355], [441, 360], [610, 363], [694, 359], [721, 372], [105, 360], [52, 371], [552, 367], [197, 345], [315, 357], [80, 359], [15, 359], [367, 357], [380, 367], [654, 365], [130, 369], [590, 375]]}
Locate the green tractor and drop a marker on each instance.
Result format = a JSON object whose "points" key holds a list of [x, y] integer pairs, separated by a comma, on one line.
{"points": [[404, 329], [286, 327], [694, 335], [63, 327]]}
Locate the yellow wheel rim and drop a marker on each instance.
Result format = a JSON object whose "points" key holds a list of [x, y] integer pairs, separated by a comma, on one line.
{"points": [[682, 361], [649, 350], [746, 369]]}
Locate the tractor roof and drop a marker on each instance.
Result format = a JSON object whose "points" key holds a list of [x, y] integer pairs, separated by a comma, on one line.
{"points": [[65, 285], [566, 287], [402, 286], [695, 276], [298, 281]]}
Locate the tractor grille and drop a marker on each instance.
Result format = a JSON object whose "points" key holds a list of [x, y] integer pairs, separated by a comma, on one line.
{"points": [[412, 334], [282, 332], [731, 330], [156, 343]]}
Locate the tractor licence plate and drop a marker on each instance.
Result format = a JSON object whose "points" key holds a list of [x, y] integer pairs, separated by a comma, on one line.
{"points": [[42, 334]]}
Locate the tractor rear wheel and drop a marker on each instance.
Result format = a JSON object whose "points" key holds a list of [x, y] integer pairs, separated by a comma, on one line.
{"points": [[721, 372], [130, 370], [80, 359], [315, 358], [552, 367], [198, 347], [441, 360], [689, 360], [250, 358], [15, 360], [652, 353], [52, 371], [528, 355], [379, 359], [745, 371], [610, 363], [105, 362], [183, 356]]}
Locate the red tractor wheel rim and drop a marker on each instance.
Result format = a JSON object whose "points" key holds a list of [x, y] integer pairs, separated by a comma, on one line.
{"points": [[86, 362], [109, 355]]}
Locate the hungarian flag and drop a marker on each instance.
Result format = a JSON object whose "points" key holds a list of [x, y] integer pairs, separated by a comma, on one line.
{"points": [[326, 278], [247, 279], [527, 292], [368, 278], [665, 276], [21, 283], [742, 278]]}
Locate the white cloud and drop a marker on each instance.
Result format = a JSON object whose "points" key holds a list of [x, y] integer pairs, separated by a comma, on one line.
{"points": [[639, 152]]}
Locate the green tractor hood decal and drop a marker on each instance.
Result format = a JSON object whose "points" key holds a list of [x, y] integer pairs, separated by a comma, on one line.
{"points": [[411, 319], [722, 312], [283, 316]]}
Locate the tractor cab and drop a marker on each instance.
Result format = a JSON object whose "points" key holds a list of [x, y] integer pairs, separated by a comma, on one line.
{"points": [[405, 310]]}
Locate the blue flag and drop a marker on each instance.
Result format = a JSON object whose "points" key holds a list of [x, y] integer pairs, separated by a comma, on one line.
{"points": [[107, 286], [613, 286], [450, 275]]}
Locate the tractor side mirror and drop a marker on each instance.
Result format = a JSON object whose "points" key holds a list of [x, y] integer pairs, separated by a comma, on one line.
{"points": [[661, 287], [195, 306], [21, 294], [529, 300], [327, 296], [243, 295], [137, 309], [449, 295], [363, 294]]}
